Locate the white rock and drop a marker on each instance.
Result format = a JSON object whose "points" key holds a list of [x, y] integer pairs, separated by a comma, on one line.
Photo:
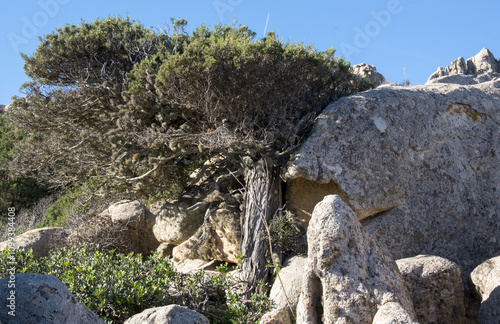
{"points": [[429, 184], [172, 314], [41, 240], [480, 68], [43, 299], [486, 278], [348, 275], [436, 287]]}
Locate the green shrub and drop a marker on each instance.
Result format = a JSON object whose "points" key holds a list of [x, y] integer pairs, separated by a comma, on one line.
{"points": [[18, 192], [117, 286], [81, 201], [285, 234]]}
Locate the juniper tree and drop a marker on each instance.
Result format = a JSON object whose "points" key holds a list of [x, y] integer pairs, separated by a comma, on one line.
{"points": [[113, 99]]}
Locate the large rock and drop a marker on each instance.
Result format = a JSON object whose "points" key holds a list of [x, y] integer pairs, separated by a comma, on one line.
{"points": [[285, 291], [437, 289], [178, 220], [486, 278], [40, 240], [393, 313], [348, 275], [419, 165], [125, 225], [279, 315], [172, 314], [41, 299], [480, 68], [217, 239], [369, 72]]}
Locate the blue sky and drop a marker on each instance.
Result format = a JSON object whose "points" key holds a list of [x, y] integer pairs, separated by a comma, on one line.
{"points": [[397, 36]]}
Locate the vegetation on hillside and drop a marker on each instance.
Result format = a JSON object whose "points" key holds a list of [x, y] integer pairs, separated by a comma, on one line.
{"points": [[129, 284], [116, 110]]}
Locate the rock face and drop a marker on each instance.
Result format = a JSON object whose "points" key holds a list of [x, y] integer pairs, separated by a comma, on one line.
{"points": [[420, 166], [369, 72], [178, 220], [43, 299], [393, 313], [486, 278], [172, 314], [198, 225], [480, 68], [436, 287], [217, 239], [285, 293], [125, 225], [348, 275], [41, 240], [277, 316], [291, 283]]}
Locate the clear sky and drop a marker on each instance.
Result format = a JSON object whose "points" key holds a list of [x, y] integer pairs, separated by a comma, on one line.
{"points": [[397, 36]]}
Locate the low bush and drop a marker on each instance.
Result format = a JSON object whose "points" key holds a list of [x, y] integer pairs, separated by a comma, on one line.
{"points": [[116, 286]]}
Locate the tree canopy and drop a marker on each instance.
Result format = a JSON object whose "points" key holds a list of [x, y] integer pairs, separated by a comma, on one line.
{"points": [[114, 99]]}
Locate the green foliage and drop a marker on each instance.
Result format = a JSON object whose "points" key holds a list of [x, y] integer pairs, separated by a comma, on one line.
{"points": [[83, 200], [114, 99], [18, 192], [117, 286], [285, 235]]}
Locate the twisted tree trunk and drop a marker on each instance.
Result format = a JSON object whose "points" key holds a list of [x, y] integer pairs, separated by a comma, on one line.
{"points": [[262, 200]]}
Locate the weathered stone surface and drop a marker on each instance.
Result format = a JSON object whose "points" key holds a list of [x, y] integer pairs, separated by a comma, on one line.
{"points": [[287, 290], [125, 225], [437, 289], [41, 240], [217, 239], [486, 278], [369, 72], [419, 165], [172, 314], [165, 250], [348, 275], [394, 313], [42, 299], [280, 315], [480, 68], [132, 213], [178, 220], [285, 293]]}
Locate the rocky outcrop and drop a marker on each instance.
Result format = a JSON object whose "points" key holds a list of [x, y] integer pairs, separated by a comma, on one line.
{"points": [[348, 275], [480, 68], [126, 226], [436, 287], [41, 299], [279, 315], [287, 288], [178, 220], [40, 240], [172, 314], [393, 313], [203, 223], [486, 278], [285, 291], [217, 239], [369, 72], [420, 166]]}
